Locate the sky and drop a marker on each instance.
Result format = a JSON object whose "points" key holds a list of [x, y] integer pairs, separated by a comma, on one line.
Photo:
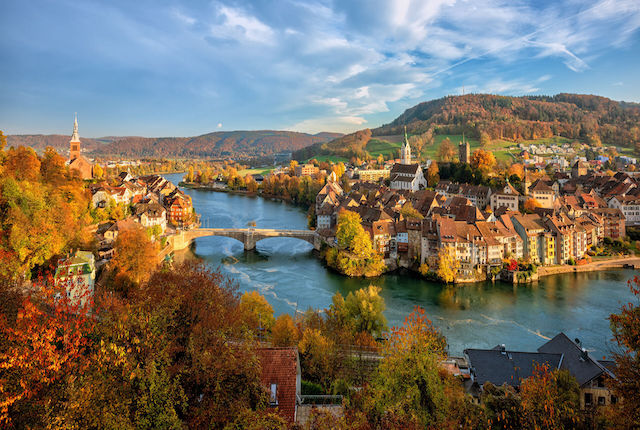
{"points": [[185, 68]]}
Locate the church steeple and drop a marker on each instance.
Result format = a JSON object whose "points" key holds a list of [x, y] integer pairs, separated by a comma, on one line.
{"points": [[405, 152], [74, 143]]}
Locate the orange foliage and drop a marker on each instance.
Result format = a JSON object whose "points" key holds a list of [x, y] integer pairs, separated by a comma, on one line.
{"points": [[516, 169], [483, 160], [531, 204]]}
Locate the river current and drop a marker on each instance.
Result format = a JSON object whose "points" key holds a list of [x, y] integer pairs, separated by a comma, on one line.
{"points": [[480, 315]]}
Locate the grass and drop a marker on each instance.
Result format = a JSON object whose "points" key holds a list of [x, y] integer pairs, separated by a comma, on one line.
{"points": [[256, 171], [498, 147], [376, 147]]}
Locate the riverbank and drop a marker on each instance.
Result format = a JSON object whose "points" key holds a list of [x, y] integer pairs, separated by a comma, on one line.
{"points": [[630, 262]]}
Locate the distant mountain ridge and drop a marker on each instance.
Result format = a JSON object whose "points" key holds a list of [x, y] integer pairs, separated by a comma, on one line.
{"points": [[574, 116], [234, 144]]}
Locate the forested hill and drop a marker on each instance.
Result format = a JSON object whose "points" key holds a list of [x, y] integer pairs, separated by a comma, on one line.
{"points": [[234, 144], [575, 116], [588, 118]]}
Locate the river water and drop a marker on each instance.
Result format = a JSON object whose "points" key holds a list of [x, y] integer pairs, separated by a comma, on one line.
{"points": [[483, 315]]}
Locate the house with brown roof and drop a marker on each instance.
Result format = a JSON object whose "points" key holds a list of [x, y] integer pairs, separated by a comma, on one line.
{"points": [[280, 375], [629, 205], [538, 245], [611, 219], [543, 193], [506, 197]]}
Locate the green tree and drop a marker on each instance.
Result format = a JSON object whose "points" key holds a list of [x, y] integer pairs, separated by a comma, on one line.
{"points": [[365, 310], [485, 139]]}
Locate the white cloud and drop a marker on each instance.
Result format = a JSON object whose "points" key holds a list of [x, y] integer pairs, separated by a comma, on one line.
{"points": [[219, 125], [237, 25]]}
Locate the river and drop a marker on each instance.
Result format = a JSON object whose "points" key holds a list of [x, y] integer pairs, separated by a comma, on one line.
{"points": [[481, 315]]}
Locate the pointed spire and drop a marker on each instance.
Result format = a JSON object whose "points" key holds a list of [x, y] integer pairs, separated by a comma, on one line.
{"points": [[75, 137], [406, 140]]}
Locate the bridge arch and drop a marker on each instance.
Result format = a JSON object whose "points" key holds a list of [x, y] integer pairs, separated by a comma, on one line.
{"points": [[250, 236]]}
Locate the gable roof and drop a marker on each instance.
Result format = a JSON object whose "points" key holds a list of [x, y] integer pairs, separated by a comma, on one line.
{"points": [[404, 169], [576, 360], [507, 367]]}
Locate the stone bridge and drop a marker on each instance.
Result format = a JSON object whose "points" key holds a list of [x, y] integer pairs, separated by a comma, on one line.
{"points": [[248, 236]]}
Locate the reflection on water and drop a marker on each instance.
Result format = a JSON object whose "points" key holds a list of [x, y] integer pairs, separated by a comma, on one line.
{"points": [[475, 315]]}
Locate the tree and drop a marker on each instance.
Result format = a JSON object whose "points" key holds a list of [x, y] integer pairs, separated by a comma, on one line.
{"points": [[292, 167], [41, 348], [408, 211], [22, 163], [550, 400], [284, 331], [516, 169], [135, 258], [625, 327], [448, 266], [408, 385], [190, 174], [485, 139], [432, 174], [52, 167], [98, 171], [446, 151], [483, 160], [365, 309], [316, 352], [256, 311], [531, 204]]}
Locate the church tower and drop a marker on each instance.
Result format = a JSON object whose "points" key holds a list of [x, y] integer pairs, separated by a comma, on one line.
{"points": [[74, 143], [405, 152]]}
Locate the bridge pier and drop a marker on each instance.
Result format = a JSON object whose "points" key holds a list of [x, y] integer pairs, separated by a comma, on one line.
{"points": [[249, 241]]}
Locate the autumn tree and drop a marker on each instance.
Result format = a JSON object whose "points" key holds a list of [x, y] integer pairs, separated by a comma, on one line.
{"points": [[516, 169], [408, 211], [22, 163], [446, 151], [52, 167], [531, 204], [432, 174], [317, 355], [98, 171], [292, 167], [447, 265], [284, 331], [485, 139], [483, 160], [550, 400], [134, 260], [408, 384], [256, 311], [625, 327], [190, 174]]}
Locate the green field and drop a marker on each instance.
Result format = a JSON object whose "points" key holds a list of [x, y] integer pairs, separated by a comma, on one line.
{"points": [[256, 171], [376, 147]]}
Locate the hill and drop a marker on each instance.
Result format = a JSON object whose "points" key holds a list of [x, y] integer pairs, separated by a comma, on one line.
{"points": [[233, 144], [588, 118], [58, 141]]}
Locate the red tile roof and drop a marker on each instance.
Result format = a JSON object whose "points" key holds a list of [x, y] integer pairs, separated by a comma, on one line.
{"points": [[280, 366]]}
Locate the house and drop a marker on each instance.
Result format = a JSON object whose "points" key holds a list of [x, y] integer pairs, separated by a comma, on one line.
{"points": [[407, 177], [280, 374], [579, 169], [100, 198], [500, 366], [506, 197], [151, 214], [111, 233], [180, 209], [537, 245], [630, 207], [611, 219], [591, 374], [543, 193], [306, 170], [124, 177], [77, 274], [373, 175]]}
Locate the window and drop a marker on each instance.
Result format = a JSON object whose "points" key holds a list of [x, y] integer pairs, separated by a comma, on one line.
{"points": [[601, 401], [273, 397], [588, 399], [614, 399]]}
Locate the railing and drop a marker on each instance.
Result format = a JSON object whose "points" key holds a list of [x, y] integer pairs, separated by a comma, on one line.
{"points": [[319, 399]]}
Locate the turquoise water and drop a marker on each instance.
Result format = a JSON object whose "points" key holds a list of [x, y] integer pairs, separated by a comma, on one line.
{"points": [[471, 316]]}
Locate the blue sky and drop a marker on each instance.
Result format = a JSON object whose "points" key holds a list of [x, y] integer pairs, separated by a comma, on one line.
{"points": [[184, 68]]}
